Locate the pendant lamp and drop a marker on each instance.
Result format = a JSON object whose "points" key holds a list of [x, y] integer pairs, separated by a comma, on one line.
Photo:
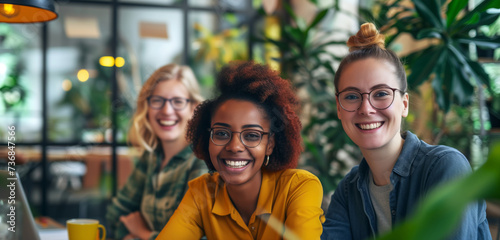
{"points": [[27, 11]]}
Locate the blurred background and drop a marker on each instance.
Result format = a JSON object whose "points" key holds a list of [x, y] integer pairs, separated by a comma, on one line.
{"points": [[69, 85]]}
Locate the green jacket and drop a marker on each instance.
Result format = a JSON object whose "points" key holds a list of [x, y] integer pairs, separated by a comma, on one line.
{"points": [[154, 192]]}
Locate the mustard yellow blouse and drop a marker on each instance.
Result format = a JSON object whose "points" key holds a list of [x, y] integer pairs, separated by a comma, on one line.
{"points": [[289, 207]]}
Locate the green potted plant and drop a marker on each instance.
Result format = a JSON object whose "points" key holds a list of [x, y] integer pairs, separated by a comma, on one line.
{"points": [[308, 63], [445, 66], [447, 62]]}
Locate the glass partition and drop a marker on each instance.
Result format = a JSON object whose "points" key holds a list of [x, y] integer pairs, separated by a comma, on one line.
{"points": [[20, 82], [79, 93]]}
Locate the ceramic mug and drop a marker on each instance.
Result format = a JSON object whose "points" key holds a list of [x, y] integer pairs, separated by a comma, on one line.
{"points": [[84, 229]]}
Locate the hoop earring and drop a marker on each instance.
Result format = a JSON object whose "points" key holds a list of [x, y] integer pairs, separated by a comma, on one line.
{"points": [[267, 161]]}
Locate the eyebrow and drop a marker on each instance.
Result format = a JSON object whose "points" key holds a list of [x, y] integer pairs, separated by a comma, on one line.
{"points": [[244, 126], [374, 87]]}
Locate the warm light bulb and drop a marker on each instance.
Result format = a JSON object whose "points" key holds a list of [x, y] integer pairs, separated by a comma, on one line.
{"points": [[106, 61], [66, 85], [119, 62], [83, 75], [9, 10]]}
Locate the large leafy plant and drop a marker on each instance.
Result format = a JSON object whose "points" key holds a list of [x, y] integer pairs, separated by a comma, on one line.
{"points": [[308, 63], [449, 25]]}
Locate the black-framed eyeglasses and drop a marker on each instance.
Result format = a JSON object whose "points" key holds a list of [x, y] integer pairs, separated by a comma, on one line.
{"points": [[379, 98], [249, 137], [177, 103]]}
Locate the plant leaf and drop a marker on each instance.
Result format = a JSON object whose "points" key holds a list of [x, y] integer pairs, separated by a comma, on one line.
{"points": [[482, 41], [319, 17], [294, 34], [472, 68], [424, 65], [453, 9], [429, 11], [429, 33], [479, 20], [482, 7]]}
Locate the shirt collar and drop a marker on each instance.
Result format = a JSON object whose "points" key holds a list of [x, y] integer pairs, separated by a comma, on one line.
{"points": [[182, 155], [223, 205], [407, 155], [404, 162]]}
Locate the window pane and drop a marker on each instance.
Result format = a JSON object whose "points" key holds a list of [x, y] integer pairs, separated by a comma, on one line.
{"points": [[20, 81], [222, 5], [215, 41], [163, 2], [79, 92], [150, 38]]}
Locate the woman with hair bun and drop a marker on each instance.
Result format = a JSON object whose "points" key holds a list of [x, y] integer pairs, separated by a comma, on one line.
{"points": [[397, 169], [160, 178], [249, 137]]}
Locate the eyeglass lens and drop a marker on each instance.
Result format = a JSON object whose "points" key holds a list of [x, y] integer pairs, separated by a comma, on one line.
{"points": [[158, 102], [250, 138], [380, 98]]}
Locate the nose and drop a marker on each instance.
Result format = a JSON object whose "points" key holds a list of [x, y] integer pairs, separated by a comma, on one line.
{"points": [[167, 108], [235, 144], [366, 107]]}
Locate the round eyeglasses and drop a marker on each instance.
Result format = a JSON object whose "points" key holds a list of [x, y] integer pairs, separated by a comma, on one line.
{"points": [[157, 102], [249, 137], [379, 98]]}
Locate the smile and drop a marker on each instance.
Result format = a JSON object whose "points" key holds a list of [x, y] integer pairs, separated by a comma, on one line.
{"points": [[236, 164], [369, 126], [167, 123]]}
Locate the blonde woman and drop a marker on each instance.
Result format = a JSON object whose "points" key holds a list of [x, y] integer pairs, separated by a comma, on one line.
{"points": [[159, 180]]}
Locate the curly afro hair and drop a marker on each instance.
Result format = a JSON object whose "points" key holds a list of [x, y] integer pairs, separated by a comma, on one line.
{"points": [[264, 87]]}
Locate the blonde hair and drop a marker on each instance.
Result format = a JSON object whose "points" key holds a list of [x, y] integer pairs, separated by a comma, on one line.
{"points": [[141, 133], [369, 43]]}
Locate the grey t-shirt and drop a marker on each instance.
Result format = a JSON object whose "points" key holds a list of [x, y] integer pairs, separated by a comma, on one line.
{"points": [[380, 202]]}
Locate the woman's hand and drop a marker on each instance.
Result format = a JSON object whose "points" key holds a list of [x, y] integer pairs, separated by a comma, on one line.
{"points": [[136, 225]]}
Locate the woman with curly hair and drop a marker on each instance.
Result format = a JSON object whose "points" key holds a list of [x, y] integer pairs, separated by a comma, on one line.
{"points": [[249, 137], [397, 169], [159, 180]]}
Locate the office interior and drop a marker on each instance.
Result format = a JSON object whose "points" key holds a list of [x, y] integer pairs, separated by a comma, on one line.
{"points": [[68, 88]]}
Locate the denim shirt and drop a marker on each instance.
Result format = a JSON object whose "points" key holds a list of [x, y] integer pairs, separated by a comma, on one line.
{"points": [[420, 167]]}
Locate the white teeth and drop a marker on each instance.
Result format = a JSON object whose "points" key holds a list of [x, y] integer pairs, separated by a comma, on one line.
{"points": [[236, 164], [167, 122], [370, 126]]}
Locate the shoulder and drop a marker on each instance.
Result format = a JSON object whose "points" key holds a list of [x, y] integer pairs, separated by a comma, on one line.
{"points": [[296, 174], [203, 180], [435, 164], [144, 160], [295, 179], [206, 184], [441, 155]]}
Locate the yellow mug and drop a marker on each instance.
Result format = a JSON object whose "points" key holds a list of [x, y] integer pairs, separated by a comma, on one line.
{"points": [[84, 229]]}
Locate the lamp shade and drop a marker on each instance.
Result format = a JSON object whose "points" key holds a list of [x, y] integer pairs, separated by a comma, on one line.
{"points": [[27, 11]]}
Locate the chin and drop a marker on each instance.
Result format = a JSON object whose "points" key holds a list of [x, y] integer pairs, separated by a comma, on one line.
{"points": [[169, 137], [369, 145]]}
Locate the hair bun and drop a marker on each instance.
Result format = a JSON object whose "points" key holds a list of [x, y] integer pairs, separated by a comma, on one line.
{"points": [[367, 37]]}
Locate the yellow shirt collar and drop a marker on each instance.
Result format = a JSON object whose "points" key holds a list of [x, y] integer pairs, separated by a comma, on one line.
{"points": [[223, 205]]}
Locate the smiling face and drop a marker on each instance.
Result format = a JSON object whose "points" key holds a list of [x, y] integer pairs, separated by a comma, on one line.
{"points": [[168, 124], [236, 163], [368, 127]]}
